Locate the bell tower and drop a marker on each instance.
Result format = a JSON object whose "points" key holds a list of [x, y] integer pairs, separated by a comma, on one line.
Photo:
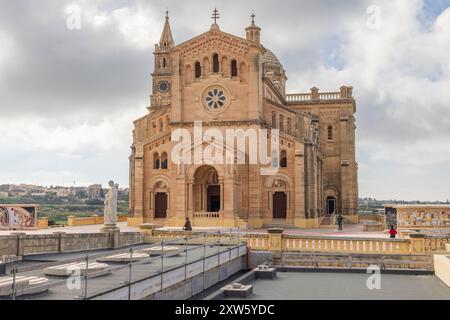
{"points": [[253, 32], [163, 70]]}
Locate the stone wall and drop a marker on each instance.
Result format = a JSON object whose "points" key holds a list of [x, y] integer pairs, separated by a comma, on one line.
{"points": [[73, 221], [21, 244]]}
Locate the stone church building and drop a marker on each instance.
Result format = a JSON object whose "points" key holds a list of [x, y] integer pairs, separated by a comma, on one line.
{"points": [[230, 82]]}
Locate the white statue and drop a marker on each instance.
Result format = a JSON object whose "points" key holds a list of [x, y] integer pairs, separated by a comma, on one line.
{"points": [[110, 213]]}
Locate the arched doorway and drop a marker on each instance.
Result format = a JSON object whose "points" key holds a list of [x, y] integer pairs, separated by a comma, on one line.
{"points": [[279, 205], [279, 192], [207, 190], [161, 205], [330, 205], [161, 200]]}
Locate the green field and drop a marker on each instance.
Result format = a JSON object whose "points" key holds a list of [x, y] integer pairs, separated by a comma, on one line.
{"points": [[57, 210]]}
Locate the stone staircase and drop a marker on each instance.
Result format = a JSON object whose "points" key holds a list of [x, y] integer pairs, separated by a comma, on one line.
{"points": [[279, 224]]}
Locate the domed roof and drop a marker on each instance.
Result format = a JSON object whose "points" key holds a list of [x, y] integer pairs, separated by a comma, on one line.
{"points": [[271, 58]]}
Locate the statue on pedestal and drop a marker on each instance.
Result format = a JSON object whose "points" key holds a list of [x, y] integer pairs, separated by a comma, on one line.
{"points": [[110, 212]]}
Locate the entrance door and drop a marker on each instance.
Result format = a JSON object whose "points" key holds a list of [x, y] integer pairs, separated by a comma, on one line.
{"points": [[331, 205], [279, 205], [213, 198], [161, 205]]}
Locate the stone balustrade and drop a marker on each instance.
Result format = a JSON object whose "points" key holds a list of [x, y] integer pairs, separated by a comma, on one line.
{"points": [[346, 93], [273, 241]]}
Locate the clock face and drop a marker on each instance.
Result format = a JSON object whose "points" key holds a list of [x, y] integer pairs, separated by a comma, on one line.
{"points": [[163, 86]]}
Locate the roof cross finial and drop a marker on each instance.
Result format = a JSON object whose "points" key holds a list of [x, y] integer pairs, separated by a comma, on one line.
{"points": [[253, 17], [215, 15], [167, 14]]}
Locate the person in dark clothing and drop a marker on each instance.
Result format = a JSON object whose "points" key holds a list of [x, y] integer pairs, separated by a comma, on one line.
{"points": [[393, 232], [187, 225], [340, 221]]}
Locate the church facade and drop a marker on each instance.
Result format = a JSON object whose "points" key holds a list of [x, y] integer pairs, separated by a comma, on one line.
{"points": [[229, 82]]}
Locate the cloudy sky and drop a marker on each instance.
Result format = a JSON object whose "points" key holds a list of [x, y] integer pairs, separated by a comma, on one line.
{"points": [[68, 96]]}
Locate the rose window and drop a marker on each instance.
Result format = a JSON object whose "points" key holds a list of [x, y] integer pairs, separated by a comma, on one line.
{"points": [[215, 99]]}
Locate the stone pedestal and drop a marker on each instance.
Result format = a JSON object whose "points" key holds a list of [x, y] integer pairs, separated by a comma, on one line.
{"points": [[417, 243], [275, 239], [113, 235], [238, 290], [264, 272]]}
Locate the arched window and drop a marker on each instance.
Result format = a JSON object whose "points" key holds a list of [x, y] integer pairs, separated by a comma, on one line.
{"points": [[216, 66], [234, 68], [156, 161], [164, 62], [198, 70], [164, 161], [274, 120], [330, 132], [281, 122], [161, 125], [289, 124], [283, 159]]}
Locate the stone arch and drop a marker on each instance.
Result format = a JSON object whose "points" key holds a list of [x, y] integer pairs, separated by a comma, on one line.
{"points": [[234, 68], [192, 170], [330, 198], [215, 63], [164, 161], [207, 190], [279, 194], [198, 70], [156, 161], [159, 196]]}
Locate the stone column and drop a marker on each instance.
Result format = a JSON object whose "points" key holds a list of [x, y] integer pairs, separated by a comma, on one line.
{"points": [[299, 193]]}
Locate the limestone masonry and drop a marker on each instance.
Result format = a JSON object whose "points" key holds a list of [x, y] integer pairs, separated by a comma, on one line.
{"points": [[229, 82]]}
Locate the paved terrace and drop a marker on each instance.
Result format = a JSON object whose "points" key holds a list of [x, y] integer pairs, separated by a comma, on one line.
{"points": [[348, 286], [350, 231]]}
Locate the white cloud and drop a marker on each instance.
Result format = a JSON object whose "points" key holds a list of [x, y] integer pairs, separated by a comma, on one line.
{"points": [[7, 50], [400, 74]]}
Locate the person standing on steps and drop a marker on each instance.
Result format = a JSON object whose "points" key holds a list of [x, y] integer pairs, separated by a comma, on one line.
{"points": [[340, 220], [392, 232]]}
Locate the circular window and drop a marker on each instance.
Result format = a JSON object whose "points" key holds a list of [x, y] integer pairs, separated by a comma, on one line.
{"points": [[215, 98]]}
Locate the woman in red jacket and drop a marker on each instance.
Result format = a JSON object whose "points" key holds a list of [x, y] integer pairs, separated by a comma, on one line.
{"points": [[392, 232]]}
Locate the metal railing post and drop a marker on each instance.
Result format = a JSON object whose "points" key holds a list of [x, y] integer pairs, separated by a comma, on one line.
{"points": [[204, 260], [162, 264], [218, 255], [130, 274], [14, 287], [86, 272], [186, 261]]}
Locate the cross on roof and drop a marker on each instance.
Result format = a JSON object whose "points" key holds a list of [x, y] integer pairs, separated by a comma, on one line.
{"points": [[253, 17], [215, 15]]}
